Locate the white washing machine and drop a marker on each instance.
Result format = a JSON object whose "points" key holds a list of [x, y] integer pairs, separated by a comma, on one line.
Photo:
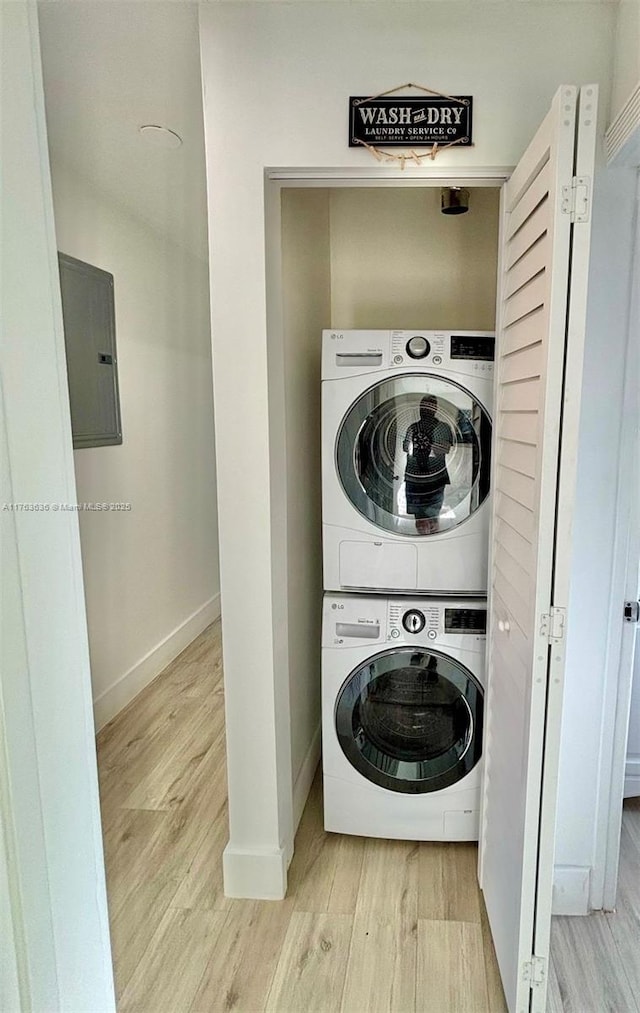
{"points": [[402, 711], [406, 457]]}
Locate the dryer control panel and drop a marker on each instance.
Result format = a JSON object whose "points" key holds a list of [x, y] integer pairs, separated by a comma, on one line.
{"points": [[464, 351], [407, 348], [360, 352]]}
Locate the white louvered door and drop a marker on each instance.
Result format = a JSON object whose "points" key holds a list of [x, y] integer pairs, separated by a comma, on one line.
{"points": [[523, 717]]}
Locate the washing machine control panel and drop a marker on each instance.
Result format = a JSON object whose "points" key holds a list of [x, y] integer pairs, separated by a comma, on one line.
{"points": [[413, 621], [366, 620], [408, 621], [469, 621]]}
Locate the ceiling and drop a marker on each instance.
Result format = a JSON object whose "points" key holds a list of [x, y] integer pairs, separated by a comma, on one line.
{"points": [[110, 67]]}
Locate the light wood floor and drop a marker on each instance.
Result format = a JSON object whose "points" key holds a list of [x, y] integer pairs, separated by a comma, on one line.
{"points": [[596, 959], [368, 926]]}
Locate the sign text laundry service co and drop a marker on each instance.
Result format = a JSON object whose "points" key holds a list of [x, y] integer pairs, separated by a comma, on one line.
{"points": [[415, 122]]}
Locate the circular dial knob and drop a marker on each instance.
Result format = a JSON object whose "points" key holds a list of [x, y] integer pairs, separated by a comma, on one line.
{"points": [[418, 347], [413, 621]]}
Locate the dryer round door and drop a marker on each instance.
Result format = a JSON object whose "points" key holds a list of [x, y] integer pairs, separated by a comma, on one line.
{"points": [[413, 454], [411, 720]]}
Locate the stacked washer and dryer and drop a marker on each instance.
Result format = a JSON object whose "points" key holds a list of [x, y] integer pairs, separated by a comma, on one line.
{"points": [[406, 446]]}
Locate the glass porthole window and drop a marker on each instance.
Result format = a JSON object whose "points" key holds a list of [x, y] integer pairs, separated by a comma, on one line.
{"points": [[411, 720], [413, 454]]}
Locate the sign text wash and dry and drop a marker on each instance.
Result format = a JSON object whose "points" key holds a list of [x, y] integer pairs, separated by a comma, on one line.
{"points": [[417, 122]]}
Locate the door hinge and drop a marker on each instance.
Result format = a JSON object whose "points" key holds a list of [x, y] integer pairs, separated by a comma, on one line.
{"points": [[552, 624], [632, 611], [534, 971], [576, 199]]}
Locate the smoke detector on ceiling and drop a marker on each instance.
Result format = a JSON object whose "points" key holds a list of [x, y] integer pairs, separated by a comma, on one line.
{"points": [[160, 137]]}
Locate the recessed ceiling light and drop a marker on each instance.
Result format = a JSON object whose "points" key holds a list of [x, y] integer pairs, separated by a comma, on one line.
{"points": [[161, 137]]}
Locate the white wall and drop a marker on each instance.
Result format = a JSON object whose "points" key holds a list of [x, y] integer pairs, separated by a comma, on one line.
{"points": [[398, 262], [58, 897], [626, 67], [306, 277], [11, 941], [632, 768], [294, 67], [632, 772], [18, 776], [151, 574]]}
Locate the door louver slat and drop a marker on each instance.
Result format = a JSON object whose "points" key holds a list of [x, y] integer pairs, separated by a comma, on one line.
{"points": [[525, 332], [528, 298], [523, 363], [536, 193], [530, 264], [518, 456], [535, 227]]}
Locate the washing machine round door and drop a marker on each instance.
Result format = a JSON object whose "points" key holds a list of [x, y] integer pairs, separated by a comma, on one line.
{"points": [[413, 454], [411, 720]]}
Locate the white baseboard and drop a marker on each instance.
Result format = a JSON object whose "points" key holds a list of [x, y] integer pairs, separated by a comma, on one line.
{"points": [[571, 890], [127, 686], [255, 873], [632, 777], [304, 780], [263, 874]]}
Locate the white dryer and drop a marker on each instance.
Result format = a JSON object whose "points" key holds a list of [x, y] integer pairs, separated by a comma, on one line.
{"points": [[406, 457], [402, 714]]}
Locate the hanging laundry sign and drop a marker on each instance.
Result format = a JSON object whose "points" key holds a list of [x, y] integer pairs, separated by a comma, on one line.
{"points": [[415, 122]]}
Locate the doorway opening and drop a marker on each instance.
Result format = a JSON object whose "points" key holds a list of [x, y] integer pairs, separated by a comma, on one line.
{"points": [[350, 254]]}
